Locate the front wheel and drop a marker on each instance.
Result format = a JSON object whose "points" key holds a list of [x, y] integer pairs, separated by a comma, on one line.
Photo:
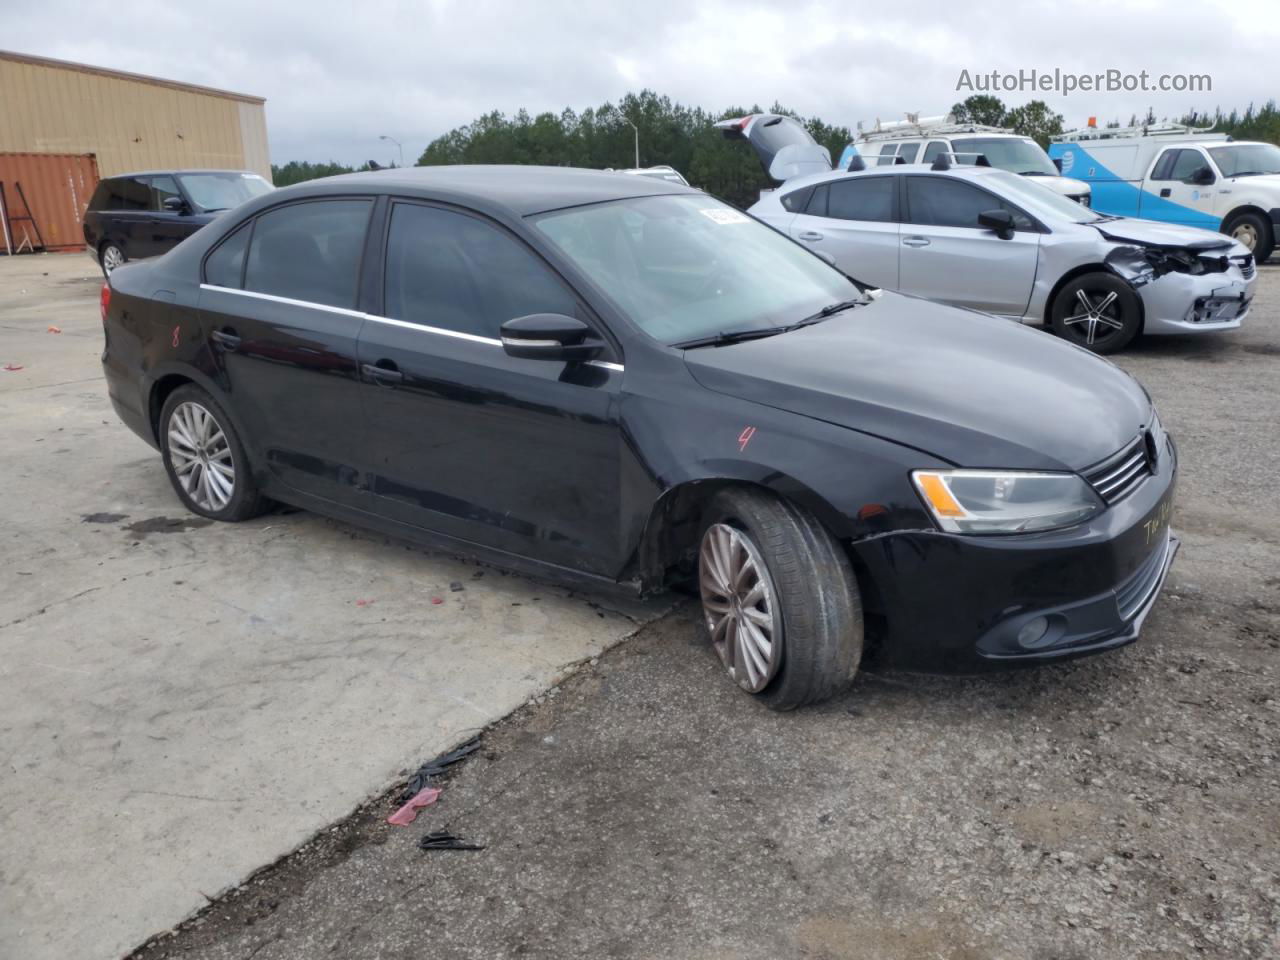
{"points": [[205, 458], [1254, 232], [1097, 311], [779, 600]]}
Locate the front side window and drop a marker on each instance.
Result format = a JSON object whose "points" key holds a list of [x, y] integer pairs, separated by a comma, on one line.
{"points": [[694, 267], [309, 251], [212, 192], [862, 198], [945, 202], [1161, 170], [1188, 164], [162, 188], [456, 272]]}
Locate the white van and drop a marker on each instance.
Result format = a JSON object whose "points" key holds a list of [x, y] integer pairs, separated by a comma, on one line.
{"points": [[1180, 175], [922, 139]]}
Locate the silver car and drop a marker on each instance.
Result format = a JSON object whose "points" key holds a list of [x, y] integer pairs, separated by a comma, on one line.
{"points": [[988, 239]]}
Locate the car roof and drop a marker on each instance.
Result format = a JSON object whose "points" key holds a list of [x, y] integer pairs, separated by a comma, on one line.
{"points": [[960, 171], [520, 190], [169, 173]]}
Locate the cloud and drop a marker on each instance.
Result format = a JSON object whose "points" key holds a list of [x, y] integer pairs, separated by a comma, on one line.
{"points": [[337, 75]]}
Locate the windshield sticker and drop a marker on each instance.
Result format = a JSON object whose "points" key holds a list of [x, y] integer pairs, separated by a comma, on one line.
{"points": [[722, 216]]}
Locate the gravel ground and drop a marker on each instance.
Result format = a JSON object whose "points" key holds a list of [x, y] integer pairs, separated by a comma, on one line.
{"points": [[1124, 806]]}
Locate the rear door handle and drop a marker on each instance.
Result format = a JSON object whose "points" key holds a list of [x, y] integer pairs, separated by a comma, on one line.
{"points": [[915, 241], [384, 371], [227, 339], [1165, 191], [811, 235]]}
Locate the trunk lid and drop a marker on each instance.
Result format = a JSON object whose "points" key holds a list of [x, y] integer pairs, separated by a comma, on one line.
{"points": [[784, 146]]}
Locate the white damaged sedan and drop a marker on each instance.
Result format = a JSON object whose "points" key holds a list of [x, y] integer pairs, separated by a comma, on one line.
{"points": [[975, 236]]}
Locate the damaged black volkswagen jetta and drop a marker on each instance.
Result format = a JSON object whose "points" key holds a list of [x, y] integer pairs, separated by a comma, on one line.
{"points": [[623, 381]]}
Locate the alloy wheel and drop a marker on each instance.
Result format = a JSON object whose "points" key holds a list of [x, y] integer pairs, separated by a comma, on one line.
{"points": [[1246, 233], [112, 257], [739, 604], [1097, 318], [201, 457]]}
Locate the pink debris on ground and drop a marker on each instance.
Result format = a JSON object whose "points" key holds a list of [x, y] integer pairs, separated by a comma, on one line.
{"points": [[437, 599], [409, 812], [363, 603], [53, 329], [13, 366]]}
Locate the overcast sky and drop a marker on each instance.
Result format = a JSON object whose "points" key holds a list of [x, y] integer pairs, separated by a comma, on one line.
{"points": [[336, 75]]}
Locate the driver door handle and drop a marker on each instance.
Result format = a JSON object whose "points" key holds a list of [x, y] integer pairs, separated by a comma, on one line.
{"points": [[384, 371], [1165, 191], [811, 235], [915, 241]]}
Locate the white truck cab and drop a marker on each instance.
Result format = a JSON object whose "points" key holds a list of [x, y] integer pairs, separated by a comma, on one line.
{"points": [[1182, 175], [921, 139]]}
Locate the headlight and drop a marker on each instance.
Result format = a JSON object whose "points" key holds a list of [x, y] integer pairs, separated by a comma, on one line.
{"points": [[1005, 501]]}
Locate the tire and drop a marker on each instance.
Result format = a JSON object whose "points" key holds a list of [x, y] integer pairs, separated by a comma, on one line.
{"points": [[110, 257], [198, 459], [1107, 298], [810, 601], [1254, 232]]}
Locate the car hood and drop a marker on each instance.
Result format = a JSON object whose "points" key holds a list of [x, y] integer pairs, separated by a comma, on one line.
{"points": [[1152, 233], [963, 386]]}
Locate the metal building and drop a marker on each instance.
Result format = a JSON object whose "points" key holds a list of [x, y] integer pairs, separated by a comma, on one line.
{"points": [[51, 110]]}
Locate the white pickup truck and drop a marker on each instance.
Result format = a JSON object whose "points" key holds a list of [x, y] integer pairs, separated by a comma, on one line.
{"points": [[1180, 175]]}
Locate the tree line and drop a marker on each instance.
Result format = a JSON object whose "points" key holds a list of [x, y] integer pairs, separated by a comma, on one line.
{"points": [[683, 137]]}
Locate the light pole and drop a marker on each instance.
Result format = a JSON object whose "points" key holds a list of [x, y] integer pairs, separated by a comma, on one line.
{"points": [[637, 130], [397, 143]]}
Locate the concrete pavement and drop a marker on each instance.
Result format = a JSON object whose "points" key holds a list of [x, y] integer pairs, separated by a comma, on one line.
{"points": [[183, 702]]}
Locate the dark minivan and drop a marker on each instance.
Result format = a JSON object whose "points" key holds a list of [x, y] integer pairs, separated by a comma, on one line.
{"points": [[139, 215]]}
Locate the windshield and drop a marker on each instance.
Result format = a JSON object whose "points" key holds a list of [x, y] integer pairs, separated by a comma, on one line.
{"points": [[1037, 199], [222, 191], [1012, 154], [684, 267], [1247, 159]]}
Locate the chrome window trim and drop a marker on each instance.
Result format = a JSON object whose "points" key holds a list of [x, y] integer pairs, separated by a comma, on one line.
{"points": [[439, 331]]}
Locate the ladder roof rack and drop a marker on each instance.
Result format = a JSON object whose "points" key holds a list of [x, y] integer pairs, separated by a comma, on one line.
{"points": [[1142, 130], [916, 126]]}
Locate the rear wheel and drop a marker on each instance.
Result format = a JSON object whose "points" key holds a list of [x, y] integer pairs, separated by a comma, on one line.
{"points": [[1252, 230], [1097, 311], [110, 257], [205, 459], [779, 600]]}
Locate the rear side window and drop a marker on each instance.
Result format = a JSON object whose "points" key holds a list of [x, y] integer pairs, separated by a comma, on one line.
{"points": [[932, 151], [162, 188], [862, 198], [888, 155], [817, 205], [945, 202], [101, 196], [225, 265], [908, 152], [309, 251], [128, 193], [796, 200], [453, 271]]}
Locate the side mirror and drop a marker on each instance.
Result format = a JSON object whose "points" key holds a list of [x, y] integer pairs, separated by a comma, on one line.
{"points": [[549, 336], [1057, 162], [1203, 175], [1001, 221], [175, 204]]}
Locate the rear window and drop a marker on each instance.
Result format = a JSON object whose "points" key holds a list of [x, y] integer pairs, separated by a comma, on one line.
{"points": [[862, 198], [309, 251]]}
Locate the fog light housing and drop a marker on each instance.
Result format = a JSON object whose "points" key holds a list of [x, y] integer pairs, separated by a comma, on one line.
{"points": [[1033, 633]]}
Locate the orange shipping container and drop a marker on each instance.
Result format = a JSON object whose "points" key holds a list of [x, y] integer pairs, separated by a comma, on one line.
{"points": [[58, 187]]}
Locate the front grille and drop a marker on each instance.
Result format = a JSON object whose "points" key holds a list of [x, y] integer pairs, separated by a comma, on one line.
{"points": [[1117, 477], [1245, 263], [1134, 593]]}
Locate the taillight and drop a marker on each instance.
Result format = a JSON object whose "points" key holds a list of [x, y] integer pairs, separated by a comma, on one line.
{"points": [[104, 300]]}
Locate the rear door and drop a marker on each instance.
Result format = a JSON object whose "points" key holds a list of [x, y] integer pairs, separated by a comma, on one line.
{"points": [[945, 255], [278, 308], [854, 219], [517, 455], [128, 220]]}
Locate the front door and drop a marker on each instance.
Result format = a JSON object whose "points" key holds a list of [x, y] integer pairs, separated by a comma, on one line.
{"points": [[1181, 189], [855, 221], [278, 309], [166, 228], [518, 455], [947, 256]]}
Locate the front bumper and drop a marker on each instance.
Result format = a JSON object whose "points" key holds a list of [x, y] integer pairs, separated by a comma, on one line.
{"points": [[957, 603], [1186, 303]]}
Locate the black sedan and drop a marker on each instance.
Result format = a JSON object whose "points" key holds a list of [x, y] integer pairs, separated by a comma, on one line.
{"points": [[622, 381]]}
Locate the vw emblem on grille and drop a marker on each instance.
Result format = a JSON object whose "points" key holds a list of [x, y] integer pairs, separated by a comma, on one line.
{"points": [[1153, 451]]}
